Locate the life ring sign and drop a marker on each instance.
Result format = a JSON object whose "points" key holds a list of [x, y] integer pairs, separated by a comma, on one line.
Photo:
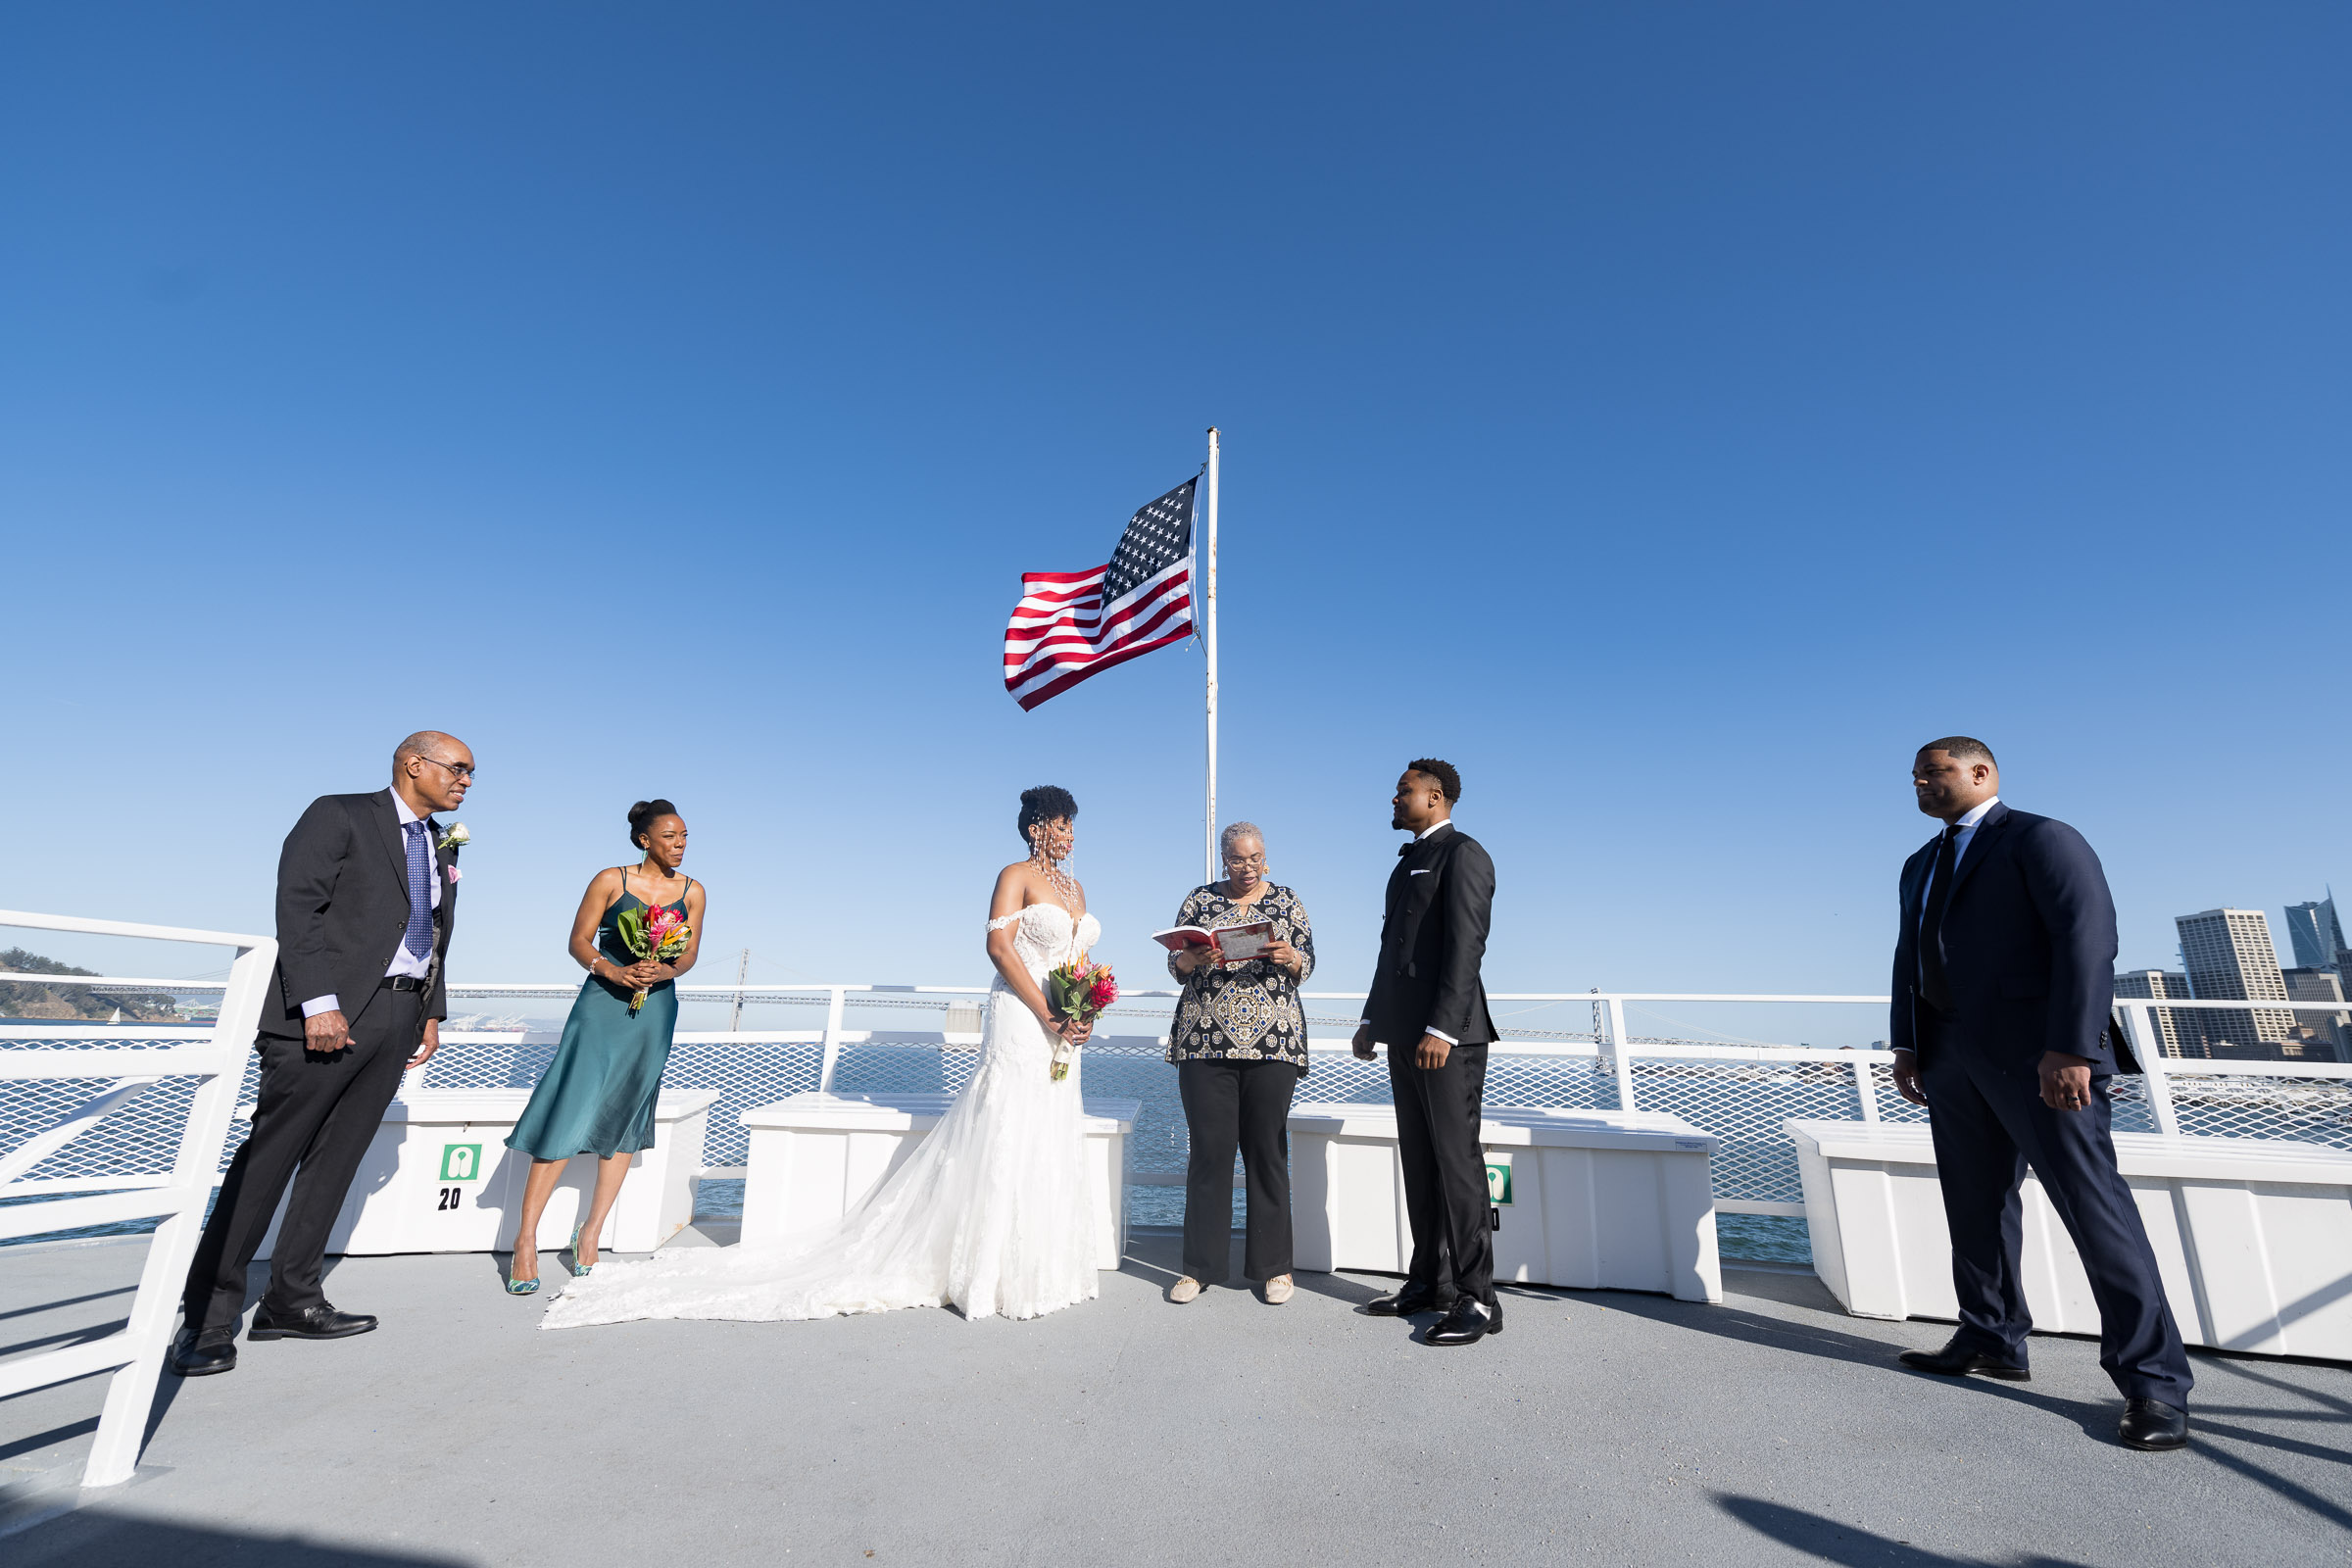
{"points": [[1498, 1180]]}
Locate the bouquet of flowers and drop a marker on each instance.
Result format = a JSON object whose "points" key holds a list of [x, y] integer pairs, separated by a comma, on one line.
{"points": [[1078, 991], [661, 934]]}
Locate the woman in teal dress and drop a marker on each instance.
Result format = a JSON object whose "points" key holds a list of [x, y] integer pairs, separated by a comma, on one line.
{"points": [[597, 1095]]}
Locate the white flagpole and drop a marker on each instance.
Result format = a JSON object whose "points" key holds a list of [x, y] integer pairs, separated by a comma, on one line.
{"points": [[1209, 641]]}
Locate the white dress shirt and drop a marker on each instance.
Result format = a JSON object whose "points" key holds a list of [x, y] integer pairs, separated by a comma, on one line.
{"points": [[1433, 1033], [1968, 832], [404, 963]]}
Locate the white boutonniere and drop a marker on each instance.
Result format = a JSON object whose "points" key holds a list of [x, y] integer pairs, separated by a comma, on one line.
{"points": [[457, 837]]}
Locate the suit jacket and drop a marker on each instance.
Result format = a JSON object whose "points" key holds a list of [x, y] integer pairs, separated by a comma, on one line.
{"points": [[1441, 902], [342, 906], [2028, 945]]}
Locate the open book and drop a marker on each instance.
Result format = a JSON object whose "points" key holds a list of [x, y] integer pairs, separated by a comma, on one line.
{"points": [[1237, 943]]}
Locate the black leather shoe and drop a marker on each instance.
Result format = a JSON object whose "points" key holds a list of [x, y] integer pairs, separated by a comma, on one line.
{"points": [[1957, 1359], [1470, 1321], [201, 1355], [1415, 1296], [320, 1322], [2153, 1425]]}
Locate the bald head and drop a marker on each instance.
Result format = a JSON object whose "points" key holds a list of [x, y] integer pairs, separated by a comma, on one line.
{"points": [[432, 771], [422, 744]]}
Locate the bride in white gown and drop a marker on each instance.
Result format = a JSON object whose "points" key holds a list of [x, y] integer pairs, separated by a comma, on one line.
{"points": [[993, 1213]]}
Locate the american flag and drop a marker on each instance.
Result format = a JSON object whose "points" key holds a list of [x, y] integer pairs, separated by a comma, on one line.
{"points": [[1072, 624]]}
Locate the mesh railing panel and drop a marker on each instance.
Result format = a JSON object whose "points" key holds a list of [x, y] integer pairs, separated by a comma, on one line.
{"points": [[1744, 1104], [746, 1073], [1892, 1105], [140, 1139], [136, 1140], [2132, 1113], [2311, 1111]]}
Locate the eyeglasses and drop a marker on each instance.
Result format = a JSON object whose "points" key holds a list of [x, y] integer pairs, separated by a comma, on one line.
{"points": [[462, 770], [1243, 862]]}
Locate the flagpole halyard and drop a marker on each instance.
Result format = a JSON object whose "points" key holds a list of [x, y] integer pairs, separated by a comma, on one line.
{"points": [[1208, 641]]}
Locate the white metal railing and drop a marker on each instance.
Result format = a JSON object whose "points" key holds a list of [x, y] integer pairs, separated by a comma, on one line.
{"points": [[1742, 1093], [213, 1060]]}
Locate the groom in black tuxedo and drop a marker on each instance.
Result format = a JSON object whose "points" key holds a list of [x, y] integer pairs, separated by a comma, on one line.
{"points": [[1428, 1008], [367, 897]]}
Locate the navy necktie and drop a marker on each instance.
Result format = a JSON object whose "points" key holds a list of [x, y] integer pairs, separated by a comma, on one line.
{"points": [[1932, 985], [419, 937]]}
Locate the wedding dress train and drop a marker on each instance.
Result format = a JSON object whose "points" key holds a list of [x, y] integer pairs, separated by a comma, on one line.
{"points": [[993, 1213]]}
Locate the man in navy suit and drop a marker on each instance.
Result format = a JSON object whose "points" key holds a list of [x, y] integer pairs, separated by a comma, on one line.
{"points": [[2004, 979]]}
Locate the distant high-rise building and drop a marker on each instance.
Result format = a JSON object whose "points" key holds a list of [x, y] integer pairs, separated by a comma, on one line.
{"points": [[2312, 932], [2176, 1032], [2228, 956], [2325, 1035]]}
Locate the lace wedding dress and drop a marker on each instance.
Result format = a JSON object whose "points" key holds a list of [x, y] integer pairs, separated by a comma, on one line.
{"points": [[993, 1213]]}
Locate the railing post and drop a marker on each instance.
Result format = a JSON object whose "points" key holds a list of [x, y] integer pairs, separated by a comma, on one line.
{"points": [[2147, 1044], [1620, 1049], [130, 1392], [1866, 1086], [833, 1007]]}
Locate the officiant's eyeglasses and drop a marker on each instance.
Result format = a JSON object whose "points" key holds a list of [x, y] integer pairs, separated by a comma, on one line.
{"points": [[1258, 859], [460, 769]]}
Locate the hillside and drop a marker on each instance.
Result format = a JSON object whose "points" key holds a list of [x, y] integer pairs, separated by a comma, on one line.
{"points": [[24, 1000]]}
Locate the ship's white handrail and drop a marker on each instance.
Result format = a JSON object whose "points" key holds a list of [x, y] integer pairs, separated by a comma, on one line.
{"points": [[135, 1353]]}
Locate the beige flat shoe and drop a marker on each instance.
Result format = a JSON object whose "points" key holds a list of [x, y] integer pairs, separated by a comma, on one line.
{"points": [[1184, 1290], [1278, 1290]]}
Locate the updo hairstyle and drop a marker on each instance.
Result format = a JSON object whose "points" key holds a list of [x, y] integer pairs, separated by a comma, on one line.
{"points": [[1046, 802], [644, 815]]}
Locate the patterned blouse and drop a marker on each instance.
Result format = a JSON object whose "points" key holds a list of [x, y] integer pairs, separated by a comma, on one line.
{"points": [[1243, 1012]]}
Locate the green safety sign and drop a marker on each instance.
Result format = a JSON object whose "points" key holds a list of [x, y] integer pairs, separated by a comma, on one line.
{"points": [[1499, 1182], [463, 1162]]}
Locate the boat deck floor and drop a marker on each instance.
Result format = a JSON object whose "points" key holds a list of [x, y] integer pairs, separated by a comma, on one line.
{"points": [[1601, 1427]]}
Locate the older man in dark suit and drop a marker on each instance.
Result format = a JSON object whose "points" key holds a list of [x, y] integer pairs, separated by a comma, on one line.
{"points": [[2004, 979], [366, 898], [1429, 1006]]}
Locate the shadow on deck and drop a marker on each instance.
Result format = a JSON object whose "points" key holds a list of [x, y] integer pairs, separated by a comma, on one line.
{"points": [[1601, 1427]]}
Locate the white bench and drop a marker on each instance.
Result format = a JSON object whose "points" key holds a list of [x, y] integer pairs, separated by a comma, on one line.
{"points": [[1590, 1200], [2253, 1237], [814, 1157], [438, 1177]]}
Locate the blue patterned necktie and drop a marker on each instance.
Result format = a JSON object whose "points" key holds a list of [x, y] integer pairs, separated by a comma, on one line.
{"points": [[418, 938]]}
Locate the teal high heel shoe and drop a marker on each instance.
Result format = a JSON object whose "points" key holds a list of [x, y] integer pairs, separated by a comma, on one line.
{"points": [[579, 1270], [515, 1287]]}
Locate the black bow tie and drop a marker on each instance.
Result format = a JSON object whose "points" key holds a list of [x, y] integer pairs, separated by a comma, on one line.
{"points": [[1407, 847]]}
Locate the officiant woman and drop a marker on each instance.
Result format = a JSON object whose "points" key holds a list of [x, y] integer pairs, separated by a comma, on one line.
{"points": [[1240, 1048]]}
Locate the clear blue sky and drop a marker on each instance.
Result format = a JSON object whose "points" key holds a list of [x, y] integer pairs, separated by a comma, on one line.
{"points": [[1670, 414]]}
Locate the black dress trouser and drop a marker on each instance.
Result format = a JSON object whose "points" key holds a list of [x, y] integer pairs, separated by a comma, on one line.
{"points": [[1438, 1112], [311, 1124], [1243, 1105], [1989, 1124]]}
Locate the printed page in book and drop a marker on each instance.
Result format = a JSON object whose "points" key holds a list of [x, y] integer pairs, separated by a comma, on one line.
{"points": [[1241, 942], [1238, 943]]}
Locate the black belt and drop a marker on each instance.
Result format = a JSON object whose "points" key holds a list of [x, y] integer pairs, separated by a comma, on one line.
{"points": [[400, 982]]}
